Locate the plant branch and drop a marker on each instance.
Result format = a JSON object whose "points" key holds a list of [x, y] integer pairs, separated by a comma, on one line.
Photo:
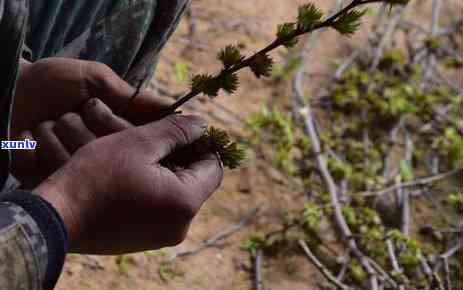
{"points": [[325, 271], [273, 45], [211, 242], [414, 183], [258, 281]]}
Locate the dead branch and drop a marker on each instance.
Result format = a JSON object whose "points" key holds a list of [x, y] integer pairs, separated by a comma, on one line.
{"points": [[394, 261], [414, 183], [387, 36], [214, 240], [258, 281], [325, 271]]}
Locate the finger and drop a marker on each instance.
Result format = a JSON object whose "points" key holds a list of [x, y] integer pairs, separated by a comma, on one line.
{"points": [[202, 177], [161, 138], [101, 120], [72, 132], [24, 165], [105, 84], [51, 153]]}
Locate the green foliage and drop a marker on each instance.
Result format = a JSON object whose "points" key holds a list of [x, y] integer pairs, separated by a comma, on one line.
{"points": [[308, 16], [450, 146], [406, 171], [285, 32], [368, 103], [216, 140], [181, 72], [360, 113], [122, 263], [213, 140], [256, 242], [455, 200], [206, 84], [432, 43], [391, 59], [311, 216], [349, 22], [268, 244], [356, 272], [261, 65], [308, 19], [168, 273], [340, 170], [229, 83], [230, 56], [211, 86], [274, 127], [410, 252]]}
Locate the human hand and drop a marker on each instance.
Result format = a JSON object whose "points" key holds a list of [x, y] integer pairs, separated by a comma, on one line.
{"points": [[115, 196], [48, 109], [59, 140], [52, 87]]}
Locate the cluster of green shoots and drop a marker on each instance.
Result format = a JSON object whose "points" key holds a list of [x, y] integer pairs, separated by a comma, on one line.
{"points": [[309, 19], [359, 113]]}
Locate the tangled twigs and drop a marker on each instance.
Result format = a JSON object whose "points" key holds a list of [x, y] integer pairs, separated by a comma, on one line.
{"points": [[213, 241], [311, 133], [414, 183], [325, 271], [332, 189]]}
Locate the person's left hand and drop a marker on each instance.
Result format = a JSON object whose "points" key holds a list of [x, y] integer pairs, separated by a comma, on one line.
{"points": [[52, 107], [52, 87], [58, 140]]}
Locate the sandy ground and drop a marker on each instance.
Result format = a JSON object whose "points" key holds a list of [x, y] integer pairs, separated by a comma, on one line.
{"points": [[250, 24]]}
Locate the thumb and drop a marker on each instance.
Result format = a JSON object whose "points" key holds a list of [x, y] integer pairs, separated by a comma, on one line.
{"points": [[103, 83], [164, 137]]}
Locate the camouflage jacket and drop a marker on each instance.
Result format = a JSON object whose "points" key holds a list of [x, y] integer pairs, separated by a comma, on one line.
{"points": [[127, 35]]}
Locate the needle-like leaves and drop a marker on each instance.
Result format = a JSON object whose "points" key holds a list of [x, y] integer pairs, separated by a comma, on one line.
{"points": [[349, 22], [309, 14]]}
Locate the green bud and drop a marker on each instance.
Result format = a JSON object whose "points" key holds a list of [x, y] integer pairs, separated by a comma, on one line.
{"points": [[261, 65], [286, 31], [348, 23], [230, 56], [206, 84], [309, 15]]}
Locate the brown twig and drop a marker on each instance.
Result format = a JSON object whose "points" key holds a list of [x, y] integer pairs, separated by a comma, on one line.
{"points": [[258, 281], [325, 271], [414, 183], [214, 240]]}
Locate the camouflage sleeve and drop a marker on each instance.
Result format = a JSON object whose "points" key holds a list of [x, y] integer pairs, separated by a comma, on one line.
{"points": [[23, 253], [32, 242]]}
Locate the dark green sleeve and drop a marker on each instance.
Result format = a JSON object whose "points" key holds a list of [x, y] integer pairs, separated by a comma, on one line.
{"points": [[13, 23]]}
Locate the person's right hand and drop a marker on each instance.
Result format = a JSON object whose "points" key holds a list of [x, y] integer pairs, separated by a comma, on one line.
{"points": [[115, 196]]}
